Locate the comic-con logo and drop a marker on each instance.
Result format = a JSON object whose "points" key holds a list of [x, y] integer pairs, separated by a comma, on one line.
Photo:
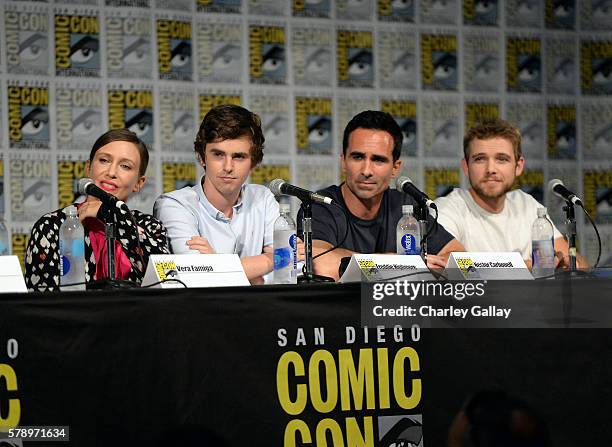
{"points": [[77, 45], [174, 50], [28, 116], [313, 124], [132, 109], [267, 54]]}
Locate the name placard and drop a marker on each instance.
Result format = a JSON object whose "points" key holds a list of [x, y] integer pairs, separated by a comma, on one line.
{"points": [[386, 268], [11, 277], [486, 266], [195, 270]]}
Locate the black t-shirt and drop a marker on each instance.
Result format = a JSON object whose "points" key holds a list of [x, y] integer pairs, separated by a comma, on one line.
{"points": [[366, 236]]}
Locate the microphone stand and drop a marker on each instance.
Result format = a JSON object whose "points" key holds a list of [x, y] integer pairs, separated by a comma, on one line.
{"points": [[570, 222], [420, 212], [112, 282], [109, 233], [309, 276]]}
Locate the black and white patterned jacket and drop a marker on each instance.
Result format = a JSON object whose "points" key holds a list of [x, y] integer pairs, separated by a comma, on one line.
{"points": [[42, 255]]}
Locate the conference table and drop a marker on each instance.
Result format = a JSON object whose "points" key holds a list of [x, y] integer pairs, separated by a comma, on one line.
{"points": [[292, 365]]}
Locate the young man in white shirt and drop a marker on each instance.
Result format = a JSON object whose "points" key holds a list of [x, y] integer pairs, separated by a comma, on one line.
{"points": [[222, 213], [490, 216]]}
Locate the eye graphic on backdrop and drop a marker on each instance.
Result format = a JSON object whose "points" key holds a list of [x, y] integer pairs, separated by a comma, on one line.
{"points": [[409, 131], [273, 59], [604, 200], [228, 56], [183, 127], [445, 66], [527, 7], [530, 135], [360, 64], [401, 4], [445, 133], [566, 136], [529, 69], [484, 6], [404, 64], [563, 9], [602, 10], [486, 66], [35, 121], [563, 71], [140, 123], [84, 50], [318, 61], [276, 128], [86, 123], [32, 47], [319, 131], [603, 139], [137, 52], [602, 72], [36, 195], [181, 55]]}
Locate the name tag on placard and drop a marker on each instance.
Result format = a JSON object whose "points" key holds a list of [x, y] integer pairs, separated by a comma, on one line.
{"points": [[486, 266], [195, 270], [386, 268], [11, 278]]}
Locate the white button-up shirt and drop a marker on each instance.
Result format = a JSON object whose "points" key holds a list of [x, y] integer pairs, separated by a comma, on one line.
{"points": [[187, 212]]}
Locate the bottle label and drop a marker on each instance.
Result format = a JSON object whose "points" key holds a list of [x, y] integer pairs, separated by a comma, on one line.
{"points": [[542, 253], [410, 245], [78, 247], [293, 245], [282, 257], [64, 266]]}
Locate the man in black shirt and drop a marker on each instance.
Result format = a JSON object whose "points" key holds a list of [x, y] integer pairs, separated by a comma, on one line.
{"points": [[371, 149]]}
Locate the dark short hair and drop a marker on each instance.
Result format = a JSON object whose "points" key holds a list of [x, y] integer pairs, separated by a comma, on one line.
{"points": [[376, 120], [123, 135], [494, 128], [230, 122]]}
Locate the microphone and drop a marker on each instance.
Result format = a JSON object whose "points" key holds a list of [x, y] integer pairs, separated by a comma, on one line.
{"points": [[557, 187], [279, 186], [405, 184], [88, 187]]}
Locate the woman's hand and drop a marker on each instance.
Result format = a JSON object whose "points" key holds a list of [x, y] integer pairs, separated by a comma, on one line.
{"points": [[89, 208]]}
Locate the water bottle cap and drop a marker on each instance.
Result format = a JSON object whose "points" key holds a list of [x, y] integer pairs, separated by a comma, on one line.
{"points": [[70, 210], [284, 208], [407, 209], [542, 212]]}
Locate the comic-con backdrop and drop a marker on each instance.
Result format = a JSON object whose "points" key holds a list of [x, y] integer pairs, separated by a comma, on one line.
{"points": [[71, 70]]}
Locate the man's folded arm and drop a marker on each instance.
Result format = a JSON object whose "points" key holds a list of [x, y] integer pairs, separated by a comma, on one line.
{"points": [[257, 266], [328, 264], [179, 223]]}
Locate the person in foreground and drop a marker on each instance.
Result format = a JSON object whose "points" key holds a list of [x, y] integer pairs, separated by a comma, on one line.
{"points": [[117, 164], [490, 216], [222, 213], [492, 418], [371, 149]]}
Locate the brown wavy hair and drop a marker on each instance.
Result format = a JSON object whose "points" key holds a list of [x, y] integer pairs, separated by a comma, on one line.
{"points": [[230, 122]]}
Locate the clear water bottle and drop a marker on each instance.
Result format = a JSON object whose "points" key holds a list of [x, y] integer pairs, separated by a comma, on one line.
{"points": [[5, 246], [542, 246], [285, 247], [72, 251], [408, 234]]}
